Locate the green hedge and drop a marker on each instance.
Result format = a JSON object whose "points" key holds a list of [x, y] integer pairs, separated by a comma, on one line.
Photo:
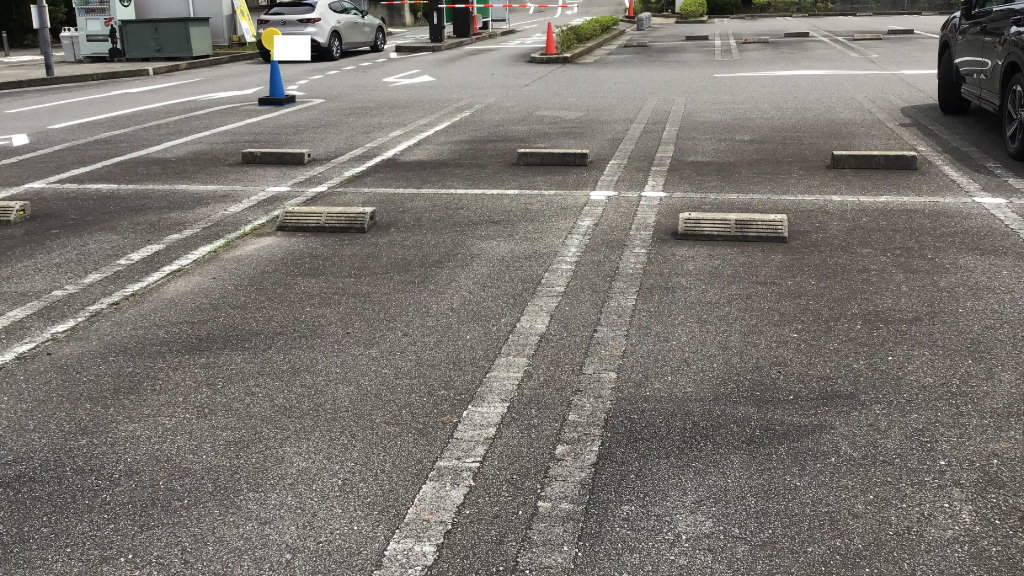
{"points": [[575, 35], [692, 9]]}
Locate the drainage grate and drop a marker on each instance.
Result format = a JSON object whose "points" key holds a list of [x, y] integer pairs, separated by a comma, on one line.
{"points": [[327, 219], [14, 211], [733, 226]]}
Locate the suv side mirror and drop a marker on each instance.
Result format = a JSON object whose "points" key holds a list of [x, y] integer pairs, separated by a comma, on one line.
{"points": [[966, 7], [365, 12]]}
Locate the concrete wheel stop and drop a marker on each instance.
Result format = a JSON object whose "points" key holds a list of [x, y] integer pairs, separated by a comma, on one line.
{"points": [[735, 226], [552, 157], [866, 160], [14, 211], [274, 156], [327, 219]]}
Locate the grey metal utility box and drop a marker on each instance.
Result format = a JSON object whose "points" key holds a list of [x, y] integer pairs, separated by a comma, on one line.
{"points": [[166, 38]]}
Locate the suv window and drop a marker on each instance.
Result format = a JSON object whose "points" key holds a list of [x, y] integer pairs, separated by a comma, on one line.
{"points": [[292, 8], [336, 7], [350, 9]]}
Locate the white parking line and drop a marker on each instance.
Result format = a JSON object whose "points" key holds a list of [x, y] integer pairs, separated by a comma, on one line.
{"points": [[157, 105], [552, 539], [108, 94], [413, 548], [157, 148], [33, 342], [824, 73], [834, 45], [733, 47]]}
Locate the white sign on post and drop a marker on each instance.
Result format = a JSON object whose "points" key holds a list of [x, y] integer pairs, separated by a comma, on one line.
{"points": [[37, 22], [292, 48]]}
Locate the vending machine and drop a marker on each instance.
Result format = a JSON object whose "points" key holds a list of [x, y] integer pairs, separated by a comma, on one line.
{"points": [[96, 19]]}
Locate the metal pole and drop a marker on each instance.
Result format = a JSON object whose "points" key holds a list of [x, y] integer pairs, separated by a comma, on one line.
{"points": [[44, 36], [7, 49], [191, 9]]}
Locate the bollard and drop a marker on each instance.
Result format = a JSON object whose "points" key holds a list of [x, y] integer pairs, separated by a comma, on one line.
{"points": [[7, 49]]}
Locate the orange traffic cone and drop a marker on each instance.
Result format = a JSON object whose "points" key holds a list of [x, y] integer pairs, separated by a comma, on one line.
{"points": [[475, 31], [629, 13], [549, 48]]}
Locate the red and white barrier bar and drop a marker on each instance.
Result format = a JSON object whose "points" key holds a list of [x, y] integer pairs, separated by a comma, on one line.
{"points": [[486, 5]]}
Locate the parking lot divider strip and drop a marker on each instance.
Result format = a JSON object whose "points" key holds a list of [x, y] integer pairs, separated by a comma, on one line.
{"points": [[552, 538], [414, 546], [1000, 210]]}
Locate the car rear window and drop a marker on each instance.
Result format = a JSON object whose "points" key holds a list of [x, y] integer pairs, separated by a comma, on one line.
{"points": [[292, 8]]}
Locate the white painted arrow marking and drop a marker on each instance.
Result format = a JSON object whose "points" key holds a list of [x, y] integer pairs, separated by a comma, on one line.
{"points": [[398, 80], [15, 139]]}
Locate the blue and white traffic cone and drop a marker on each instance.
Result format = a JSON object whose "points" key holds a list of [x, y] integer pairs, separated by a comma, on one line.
{"points": [[277, 96]]}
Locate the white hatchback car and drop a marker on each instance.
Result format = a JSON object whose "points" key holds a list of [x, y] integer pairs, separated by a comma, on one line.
{"points": [[332, 25]]}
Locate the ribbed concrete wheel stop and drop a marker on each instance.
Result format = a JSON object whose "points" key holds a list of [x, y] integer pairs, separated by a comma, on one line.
{"points": [[900, 31], [735, 226], [14, 211], [697, 37], [636, 44], [272, 156], [797, 35], [865, 160], [858, 37], [758, 40], [543, 157], [327, 219]]}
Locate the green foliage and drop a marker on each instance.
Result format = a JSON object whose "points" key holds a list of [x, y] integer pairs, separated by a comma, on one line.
{"points": [[721, 7], [16, 19], [791, 6], [693, 9], [652, 6], [572, 36]]}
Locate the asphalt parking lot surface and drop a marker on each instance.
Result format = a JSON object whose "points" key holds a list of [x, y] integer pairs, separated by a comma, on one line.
{"points": [[519, 370]]}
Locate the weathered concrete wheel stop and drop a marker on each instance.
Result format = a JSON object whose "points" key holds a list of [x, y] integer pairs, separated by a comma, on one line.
{"points": [[735, 226], [327, 219], [14, 211]]}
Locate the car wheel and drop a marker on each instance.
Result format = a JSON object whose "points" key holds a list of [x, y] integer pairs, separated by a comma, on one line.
{"points": [[379, 41], [951, 101], [1013, 117], [334, 47]]}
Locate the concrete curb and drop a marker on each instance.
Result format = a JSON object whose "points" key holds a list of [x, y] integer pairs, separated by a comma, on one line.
{"points": [[862, 160], [574, 55], [421, 47], [863, 37], [892, 31], [131, 73], [797, 35], [703, 20]]}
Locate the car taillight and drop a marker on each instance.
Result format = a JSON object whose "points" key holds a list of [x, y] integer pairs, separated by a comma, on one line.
{"points": [[308, 20], [262, 21]]}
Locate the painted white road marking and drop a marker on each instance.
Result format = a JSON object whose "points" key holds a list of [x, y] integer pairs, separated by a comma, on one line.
{"points": [[396, 56], [159, 147], [157, 105], [332, 72], [108, 94], [926, 34], [114, 133], [399, 81], [824, 73], [31, 343], [834, 45], [14, 140], [413, 548], [552, 538], [733, 47], [718, 45]]}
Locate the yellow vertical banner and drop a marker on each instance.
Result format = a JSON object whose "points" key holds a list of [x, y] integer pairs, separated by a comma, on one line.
{"points": [[245, 20]]}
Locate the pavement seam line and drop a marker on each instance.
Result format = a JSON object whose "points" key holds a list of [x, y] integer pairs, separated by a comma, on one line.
{"points": [[157, 148], [551, 541], [31, 343], [414, 546], [1000, 210]]}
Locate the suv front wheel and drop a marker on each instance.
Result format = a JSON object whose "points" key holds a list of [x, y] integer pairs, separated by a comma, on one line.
{"points": [[1013, 117], [950, 100]]}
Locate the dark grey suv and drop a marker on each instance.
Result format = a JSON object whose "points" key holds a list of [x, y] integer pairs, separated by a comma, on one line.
{"points": [[981, 61]]}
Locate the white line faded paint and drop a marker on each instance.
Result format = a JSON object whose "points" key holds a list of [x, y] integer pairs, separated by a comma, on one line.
{"points": [[157, 105], [159, 147], [414, 546], [468, 191], [833, 44], [34, 342], [718, 45], [552, 538], [107, 95], [114, 133], [30, 308], [1000, 210], [824, 73], [821, 197], [732, 46]]}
